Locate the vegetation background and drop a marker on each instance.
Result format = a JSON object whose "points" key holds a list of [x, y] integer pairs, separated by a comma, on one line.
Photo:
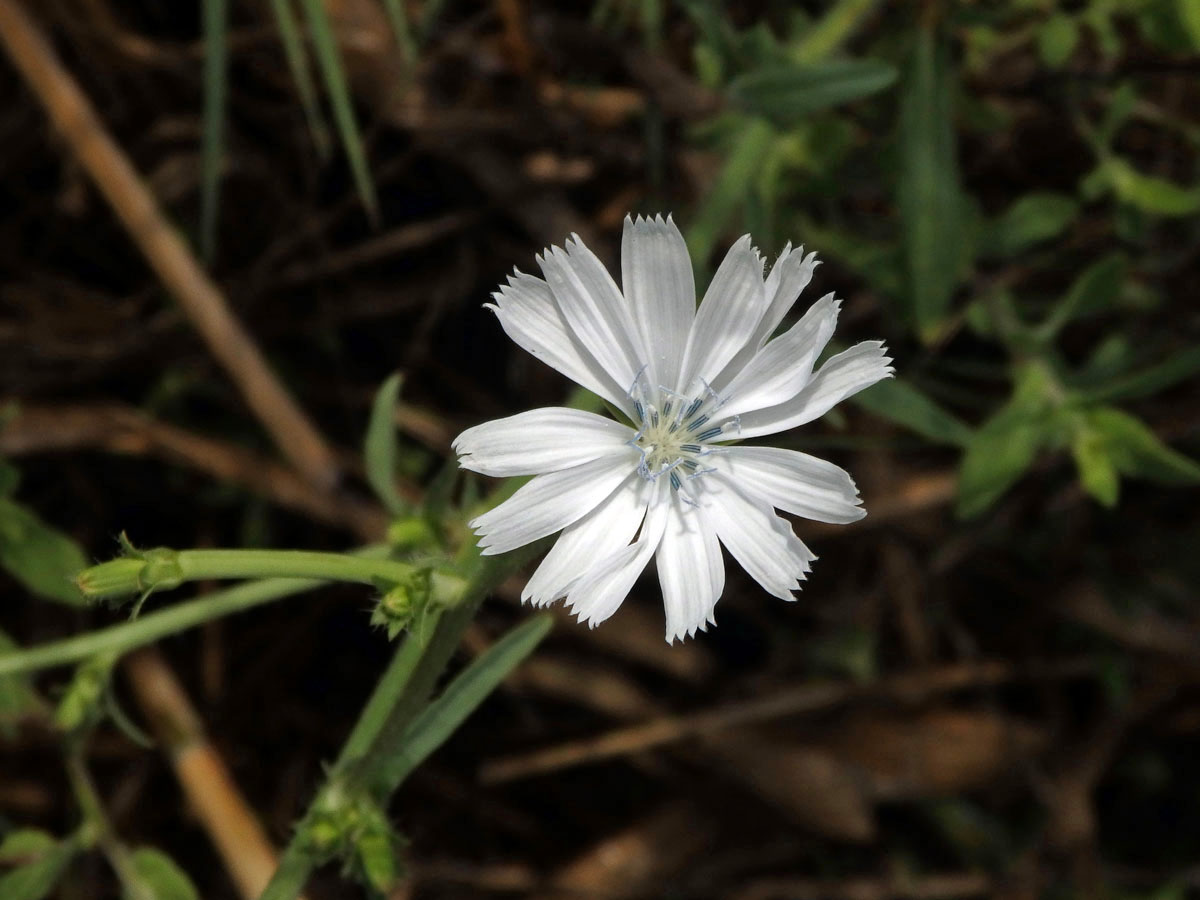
{"points": [[990, 686]]}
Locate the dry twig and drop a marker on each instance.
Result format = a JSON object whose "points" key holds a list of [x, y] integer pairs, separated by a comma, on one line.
{"points": [[201, 300]]}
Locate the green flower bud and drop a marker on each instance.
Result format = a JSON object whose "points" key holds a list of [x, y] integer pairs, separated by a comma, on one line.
{"points": [[404, 605], [115, 578], [411, 534], [83, 703]]}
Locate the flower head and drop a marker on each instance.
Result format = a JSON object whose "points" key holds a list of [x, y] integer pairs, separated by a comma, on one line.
{"points": [[672, 483]]}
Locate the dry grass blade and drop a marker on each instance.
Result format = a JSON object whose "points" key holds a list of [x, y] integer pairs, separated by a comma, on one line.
{"points": [[223, 811], [125, 431], [110, 169], [907, 687]]}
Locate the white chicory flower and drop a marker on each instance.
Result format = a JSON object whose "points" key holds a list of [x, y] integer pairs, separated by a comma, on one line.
{"points": [[671, 484]]}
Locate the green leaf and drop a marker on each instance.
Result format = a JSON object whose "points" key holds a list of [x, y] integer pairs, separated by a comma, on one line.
{"points": [[839, 22], [1149, 193], [442, 717], [25, 844], [1189, 17], [1005, 446], [330, 61], [1057, 39], [1096, 289], [42, 558], [898, 401], [787, 93], [1030, 220], [1177, 368], [380, 446], [35, 880], [730, 190], [215, 20], [931, 203], [17, 696], [158, 877], [1097, 473], [1136, 450], [401, 30], [296, 54]]}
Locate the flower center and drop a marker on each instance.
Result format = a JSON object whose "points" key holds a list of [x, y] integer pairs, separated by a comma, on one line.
{"points": [[675, 430]]}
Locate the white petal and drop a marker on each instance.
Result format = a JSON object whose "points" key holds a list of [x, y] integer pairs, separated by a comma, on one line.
{"points": [[551, 502], [656, 276], [594, 309], [795, 482], [732, 307], [603, 531], [597, 595], [789, 276], [782, 368], [541, 440], [842, 375], [690, 570], [759, 540], [530, 316]]}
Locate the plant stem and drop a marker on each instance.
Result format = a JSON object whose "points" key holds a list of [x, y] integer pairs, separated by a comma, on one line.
{"points": [[151, 627], [399, 697], [201, 565]]}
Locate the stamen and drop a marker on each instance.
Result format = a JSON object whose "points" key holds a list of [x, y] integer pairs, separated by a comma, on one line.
{"points": [[675, 482], [710, 433]]}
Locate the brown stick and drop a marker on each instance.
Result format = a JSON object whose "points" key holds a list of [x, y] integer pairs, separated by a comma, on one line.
{"points": [[74, 117], [905, 687], [125, 431], [210, 789]]}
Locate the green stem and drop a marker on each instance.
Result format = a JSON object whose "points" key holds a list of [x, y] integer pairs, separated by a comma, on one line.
{"points": [[99, 828], [400, 695], [151, 627], [203, 565], [147, 629]]}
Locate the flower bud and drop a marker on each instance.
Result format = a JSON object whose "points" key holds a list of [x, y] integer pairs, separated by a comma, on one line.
{"points": [[404, 605]]}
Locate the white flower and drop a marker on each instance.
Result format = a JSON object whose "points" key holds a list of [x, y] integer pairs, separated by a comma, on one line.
{"points": [[671, 485]]}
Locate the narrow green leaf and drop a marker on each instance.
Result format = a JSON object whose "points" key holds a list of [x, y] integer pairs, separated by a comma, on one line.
{"points": [[330, 61], [1171, 371], [380, 446], [787, 94], [1136, 450], [442, 717], [1005, 446], [1096, 289], [42, 558], [898, 401], [1030, 220], [1057, 39], [158, 877], [1149, 193], [22, 845], [35, 880], [215, 15], [838, 23], [1097, 473], [398, 16], [729, 191], [296, 54], [931, 203]]}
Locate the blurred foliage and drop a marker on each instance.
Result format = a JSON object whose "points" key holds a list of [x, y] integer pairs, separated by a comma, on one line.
{"points": [[1009, 190], [817, 139]]}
